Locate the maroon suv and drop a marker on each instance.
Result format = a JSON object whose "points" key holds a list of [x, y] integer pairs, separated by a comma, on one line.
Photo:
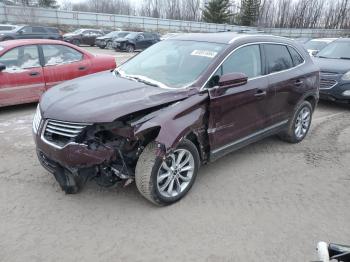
{"points": [[181, 103]]}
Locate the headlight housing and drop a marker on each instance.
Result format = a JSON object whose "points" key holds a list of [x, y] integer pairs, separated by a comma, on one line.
{"points": [[37, 120], [346, 76]]}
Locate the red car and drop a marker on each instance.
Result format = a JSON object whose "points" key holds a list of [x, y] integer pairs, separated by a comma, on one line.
{"points": [[30, 67]]}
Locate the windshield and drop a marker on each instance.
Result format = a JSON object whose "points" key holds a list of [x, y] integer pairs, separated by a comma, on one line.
{"points": [[172, 63], [336, 50], [131, 35], [112, 34], [79, 31], [315, 45]]}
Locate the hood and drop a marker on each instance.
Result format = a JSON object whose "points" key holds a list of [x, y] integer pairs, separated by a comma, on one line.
{"points": [[103, 97], [339, 66], [7, 32], [103, 38], [121, 39]]}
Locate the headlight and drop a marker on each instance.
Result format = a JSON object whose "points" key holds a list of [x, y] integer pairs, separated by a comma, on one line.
{"points": [[346, 93], [346, 76], [36, 120]]}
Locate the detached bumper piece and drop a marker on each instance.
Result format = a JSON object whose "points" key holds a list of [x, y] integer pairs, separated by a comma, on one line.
{"points": [[69, 182]]}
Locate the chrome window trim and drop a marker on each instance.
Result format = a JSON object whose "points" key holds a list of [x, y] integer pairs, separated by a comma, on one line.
{"points": [[256, 77]]}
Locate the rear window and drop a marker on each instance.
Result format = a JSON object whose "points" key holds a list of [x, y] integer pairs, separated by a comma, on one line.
{"points": [[278, 58]]}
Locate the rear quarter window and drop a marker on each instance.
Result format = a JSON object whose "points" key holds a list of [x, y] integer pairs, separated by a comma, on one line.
{"points": [[296, 57], [278, 58]]}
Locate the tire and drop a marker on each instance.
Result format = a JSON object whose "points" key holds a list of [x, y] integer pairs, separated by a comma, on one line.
{"points": [[7, 39], [76, 42], [290, 135], [149, 169], [130, 48], [109, 45], [102, 46]]}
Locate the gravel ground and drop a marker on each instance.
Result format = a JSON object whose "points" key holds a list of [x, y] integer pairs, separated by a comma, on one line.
{"points": [[270, 201]]}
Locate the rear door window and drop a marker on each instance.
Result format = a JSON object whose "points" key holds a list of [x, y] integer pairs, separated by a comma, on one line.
{"points": [[277, 58], [60, 54]]}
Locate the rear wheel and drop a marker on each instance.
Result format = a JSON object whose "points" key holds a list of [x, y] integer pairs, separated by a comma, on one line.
{"points": [[130, 48], [164, 182], [300, 123]]}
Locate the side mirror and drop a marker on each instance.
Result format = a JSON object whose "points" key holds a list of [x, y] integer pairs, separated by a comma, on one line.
{"points": [[228, 81], [232, 80], [20, 32], [315, 52], [2, 67]]}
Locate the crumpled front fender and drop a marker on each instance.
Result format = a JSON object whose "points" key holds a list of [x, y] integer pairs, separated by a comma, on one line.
{"points": [[176, 121]]}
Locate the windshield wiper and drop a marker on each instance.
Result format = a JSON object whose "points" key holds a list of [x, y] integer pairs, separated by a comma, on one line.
{"points": [[139, 79], [343, 57], [323, 57]]}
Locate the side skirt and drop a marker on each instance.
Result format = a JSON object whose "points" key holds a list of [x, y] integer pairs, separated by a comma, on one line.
{"points": [[257, 136]]}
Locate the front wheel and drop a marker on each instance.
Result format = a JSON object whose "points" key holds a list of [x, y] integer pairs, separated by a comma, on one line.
{"points": [[130, 48], [300, 123], [109, 45], [165, 181]]}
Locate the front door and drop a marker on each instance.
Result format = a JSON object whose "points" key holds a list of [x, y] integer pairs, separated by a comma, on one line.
{"points": [[63, 63], [23, 80], [239, 113]]}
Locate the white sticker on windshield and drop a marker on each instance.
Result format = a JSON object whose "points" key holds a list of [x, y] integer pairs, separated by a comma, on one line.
{"points": [[205, 53]]}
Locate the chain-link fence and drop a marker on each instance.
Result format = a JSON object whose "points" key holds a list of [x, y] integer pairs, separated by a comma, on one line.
{"points": [[61, 18]]}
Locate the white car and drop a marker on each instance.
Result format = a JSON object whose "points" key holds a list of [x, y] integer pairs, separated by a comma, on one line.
{"points": [[314, 46]]}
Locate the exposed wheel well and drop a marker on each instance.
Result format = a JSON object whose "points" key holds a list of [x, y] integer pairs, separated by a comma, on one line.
{"points": [[312, 100], [193, 138]]}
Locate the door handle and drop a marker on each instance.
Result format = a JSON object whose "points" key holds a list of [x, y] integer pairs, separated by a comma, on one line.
{"points": [[34, 73], [260, 93], [298, 82], [81, 68]]}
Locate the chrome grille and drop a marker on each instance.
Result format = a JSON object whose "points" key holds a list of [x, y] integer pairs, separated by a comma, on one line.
{"points": [[60, 133], [327, 83], [36, 120]]}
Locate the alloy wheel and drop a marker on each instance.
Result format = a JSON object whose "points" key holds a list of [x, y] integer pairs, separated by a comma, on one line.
{"points": [[175, 173], [302, 122]]}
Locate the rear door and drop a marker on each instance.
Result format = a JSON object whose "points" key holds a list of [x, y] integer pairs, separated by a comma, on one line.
{"points": [[63, 63], [23, 80], [284, 79]]}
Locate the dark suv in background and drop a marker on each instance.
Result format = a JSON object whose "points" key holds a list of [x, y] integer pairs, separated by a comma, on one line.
{"points": [[83, 36], [334, 62], [31, 32], [135, 41]]}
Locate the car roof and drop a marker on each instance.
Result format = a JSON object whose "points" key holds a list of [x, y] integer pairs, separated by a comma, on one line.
{"points": [[343, 40], [20, 42], [324, 39], [229, 37]]}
